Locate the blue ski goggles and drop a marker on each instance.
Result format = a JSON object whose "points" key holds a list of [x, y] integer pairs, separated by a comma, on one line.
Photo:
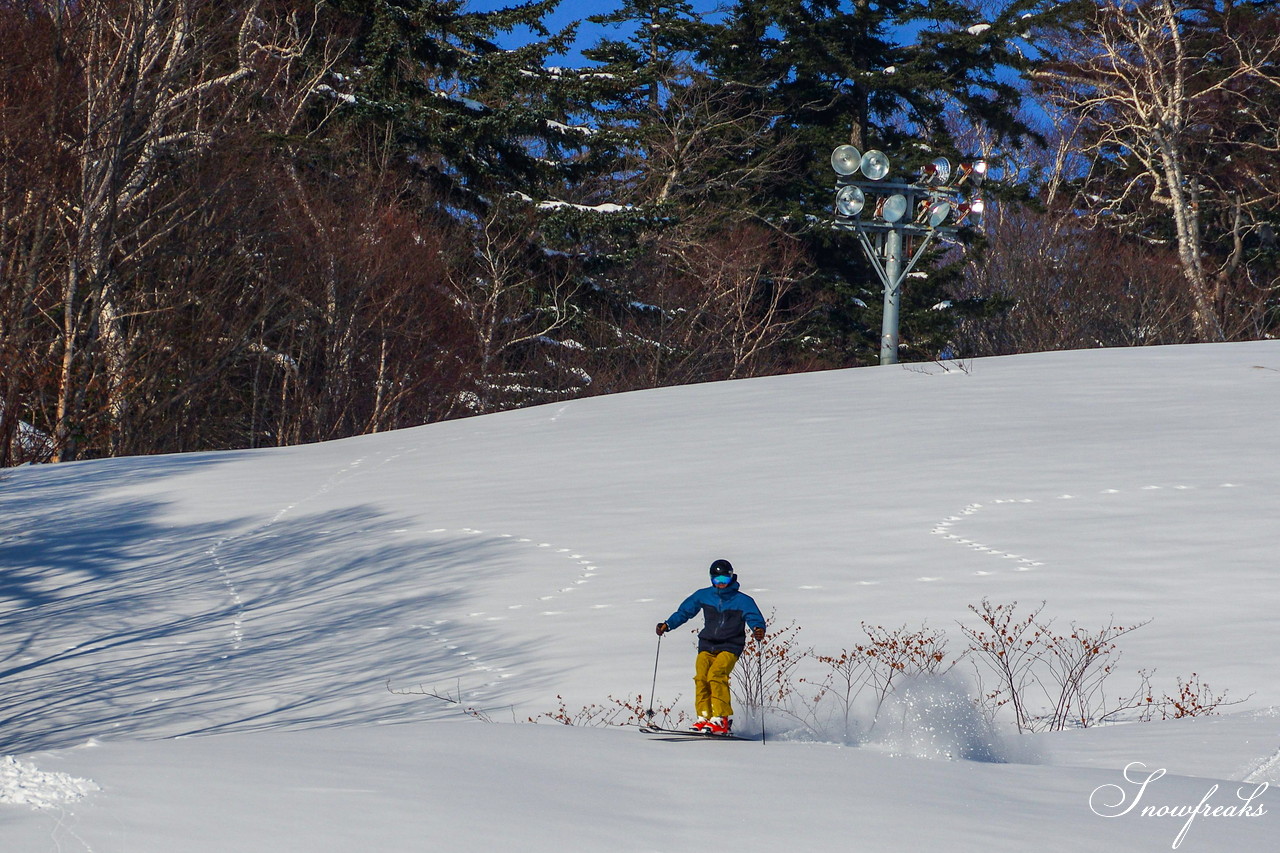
{"points": [[719, 579]]}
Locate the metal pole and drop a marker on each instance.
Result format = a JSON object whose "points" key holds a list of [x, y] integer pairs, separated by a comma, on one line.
{"points": [[892, 297], [760, 677], [654, 689]]}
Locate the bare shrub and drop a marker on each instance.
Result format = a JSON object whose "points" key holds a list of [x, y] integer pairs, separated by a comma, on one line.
{"points": [[1032, 663], [1194, 698], [454, 699], [616, 712], [764, 677], [1050, 680], [877, 665]]}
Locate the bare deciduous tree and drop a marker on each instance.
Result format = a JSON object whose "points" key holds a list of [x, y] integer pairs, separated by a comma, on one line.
{"points": [[709, 141], [153, 86], [1046, 282], [514, 300], [1178, 104], [747, 300]]}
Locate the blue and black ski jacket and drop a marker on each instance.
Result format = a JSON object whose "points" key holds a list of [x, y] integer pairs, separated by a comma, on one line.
{"points": [[727, 613]]}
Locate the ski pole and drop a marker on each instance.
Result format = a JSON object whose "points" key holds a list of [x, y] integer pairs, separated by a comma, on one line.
{"points": [[760, 676], [653, 689]]}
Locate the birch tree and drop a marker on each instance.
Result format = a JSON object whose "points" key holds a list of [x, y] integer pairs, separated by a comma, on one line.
{"points": [[1178, 105], [153, 78]]}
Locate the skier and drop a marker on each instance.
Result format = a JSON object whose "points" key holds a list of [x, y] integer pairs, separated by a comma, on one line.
{"points": [[727, 613]]}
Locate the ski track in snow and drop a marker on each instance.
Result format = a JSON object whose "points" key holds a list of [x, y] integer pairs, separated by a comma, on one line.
{"points": [[23, 784], [946, 527], [1267, 770], [556, 602], [550, 604], [226, 575]]}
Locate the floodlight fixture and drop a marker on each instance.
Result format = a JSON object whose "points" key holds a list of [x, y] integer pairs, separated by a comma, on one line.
{"points": [[974, 173], [896, 221], [934, 211], [850, 201], [891, 208], [875, 165], [845, 160], [936, 173], [970, 213]]}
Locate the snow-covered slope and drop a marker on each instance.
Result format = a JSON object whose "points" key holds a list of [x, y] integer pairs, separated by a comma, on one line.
{"points": [[269, 597]]}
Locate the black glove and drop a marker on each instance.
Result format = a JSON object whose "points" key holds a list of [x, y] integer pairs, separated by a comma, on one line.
{"points": [[662, 628], [758, 633]]}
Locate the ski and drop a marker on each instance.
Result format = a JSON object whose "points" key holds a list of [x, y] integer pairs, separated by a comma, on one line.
{"points": [[684, 734]]}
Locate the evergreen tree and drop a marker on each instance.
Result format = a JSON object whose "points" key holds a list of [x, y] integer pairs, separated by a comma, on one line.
{"points": [[494, 144], [651, 58], [475, 119], [686, 147], [883, 75]]}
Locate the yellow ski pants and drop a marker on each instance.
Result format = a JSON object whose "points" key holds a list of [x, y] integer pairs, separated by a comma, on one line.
{"points": [[711, 695]]}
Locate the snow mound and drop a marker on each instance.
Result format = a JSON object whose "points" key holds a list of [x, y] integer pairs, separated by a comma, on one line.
{"points": [[22, 784]]}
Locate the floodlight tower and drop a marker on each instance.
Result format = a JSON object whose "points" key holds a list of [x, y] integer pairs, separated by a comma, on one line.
{"points": [[940, 206]]}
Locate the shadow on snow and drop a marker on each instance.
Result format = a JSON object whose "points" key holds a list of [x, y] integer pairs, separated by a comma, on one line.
{"points": [[114, 624]]}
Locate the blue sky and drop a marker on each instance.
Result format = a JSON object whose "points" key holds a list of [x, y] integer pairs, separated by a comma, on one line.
{"points": [[576, 10]]}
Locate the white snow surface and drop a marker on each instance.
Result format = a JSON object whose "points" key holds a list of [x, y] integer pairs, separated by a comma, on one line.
{"points": [[607, 207], [197, 648]]}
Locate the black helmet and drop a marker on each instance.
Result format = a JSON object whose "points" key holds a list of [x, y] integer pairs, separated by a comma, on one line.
{"points": [[722, 567]]}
